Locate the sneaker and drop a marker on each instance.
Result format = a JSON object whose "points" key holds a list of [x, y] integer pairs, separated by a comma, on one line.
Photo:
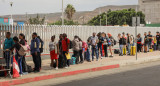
{"points": [[110, 56], [66, 67], [56, 68]]}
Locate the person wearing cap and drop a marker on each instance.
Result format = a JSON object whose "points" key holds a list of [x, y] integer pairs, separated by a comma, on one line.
{"points": [[157, 38], [128, 43], [94, 41], [150, 37]]}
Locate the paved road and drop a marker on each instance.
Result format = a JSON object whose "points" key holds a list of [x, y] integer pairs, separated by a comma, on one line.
{"points": [[147, 74]]}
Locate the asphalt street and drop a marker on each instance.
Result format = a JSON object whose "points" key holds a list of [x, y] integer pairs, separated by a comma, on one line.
{"points": [[147, 74]]}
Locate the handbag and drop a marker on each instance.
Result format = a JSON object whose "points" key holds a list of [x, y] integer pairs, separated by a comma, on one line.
{"points": [[68, 56], [21, 51]]}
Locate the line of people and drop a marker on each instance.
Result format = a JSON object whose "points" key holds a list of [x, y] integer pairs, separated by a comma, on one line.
{"points": [[97, 46]]}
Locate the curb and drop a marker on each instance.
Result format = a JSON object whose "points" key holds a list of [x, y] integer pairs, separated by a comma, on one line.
{"points": [[51, 76]]}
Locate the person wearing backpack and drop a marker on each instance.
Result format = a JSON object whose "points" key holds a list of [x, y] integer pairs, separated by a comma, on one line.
{"points": [[18, 57], [41, 49], [35, 52], [65, 49], [80, 50], [23, 42]]}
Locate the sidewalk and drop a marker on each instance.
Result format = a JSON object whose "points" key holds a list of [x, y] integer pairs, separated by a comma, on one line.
{"points": [[102, 64]]}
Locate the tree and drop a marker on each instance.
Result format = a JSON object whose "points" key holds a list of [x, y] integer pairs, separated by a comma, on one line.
{"points": [[66, 22], [36, 20], [119, 17], [70, 10]]}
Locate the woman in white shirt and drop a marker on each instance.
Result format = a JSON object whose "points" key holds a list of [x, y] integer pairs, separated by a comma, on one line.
{"points": [[54, 51]]}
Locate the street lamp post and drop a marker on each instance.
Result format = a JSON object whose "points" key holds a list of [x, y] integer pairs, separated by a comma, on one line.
{"points": [[106, 19], [11, 4], [62, 14]]}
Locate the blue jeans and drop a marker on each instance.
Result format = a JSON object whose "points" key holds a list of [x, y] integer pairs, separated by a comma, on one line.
{"points": [[87, 54], [7, 58], [94, 50], [121, 49], [149, 45], [129, 48], [19, 61], [100, 47]]}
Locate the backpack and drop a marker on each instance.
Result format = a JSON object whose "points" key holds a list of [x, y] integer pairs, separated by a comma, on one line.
{"points": [[70, 43], [73, 60], [21, 51], [41, 46], [116, 51]]}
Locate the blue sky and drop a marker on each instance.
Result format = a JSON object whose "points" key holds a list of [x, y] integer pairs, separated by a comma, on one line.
{"points": [[51, 6]]}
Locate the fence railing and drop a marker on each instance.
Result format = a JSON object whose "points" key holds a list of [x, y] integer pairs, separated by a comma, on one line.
{"points": [[46, 31]]}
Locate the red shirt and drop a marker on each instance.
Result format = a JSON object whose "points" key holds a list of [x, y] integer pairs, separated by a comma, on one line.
{"points": [[64, 44]]}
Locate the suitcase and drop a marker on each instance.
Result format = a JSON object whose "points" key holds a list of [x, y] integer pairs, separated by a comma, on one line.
{"points": [[150, 50], [133, 50], [73, 60], [124, 51]]}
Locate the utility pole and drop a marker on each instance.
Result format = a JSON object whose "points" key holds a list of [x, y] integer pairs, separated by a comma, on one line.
{"points": [[62, 13], [136, 34], [100, 16]]}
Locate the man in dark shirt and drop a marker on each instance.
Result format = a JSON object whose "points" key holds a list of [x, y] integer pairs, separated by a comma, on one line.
{"points": [[35, 52], [100, 43], [157, 38], [150, 39]]}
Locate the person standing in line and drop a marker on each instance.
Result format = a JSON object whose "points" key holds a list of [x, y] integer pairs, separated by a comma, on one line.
{"points": [[35, 52], [124, 42], [41, 50], [157, 38], [139, 42], [94, 41], [145, 42], [17, 47], [54, 51], [105, 44], [76, 48], [129, 43], [100, 38], [65, 49], [81, 50], [110, 44], [154, 43], [132, 40], [88, 49], [23, 42], [150, 37], [61, 60], [8, 43], [120, 44]]}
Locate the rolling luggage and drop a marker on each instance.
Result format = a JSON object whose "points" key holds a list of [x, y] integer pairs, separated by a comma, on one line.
{"points": [[124, 51], [133, 50], [73, 60], [151, 50]]}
